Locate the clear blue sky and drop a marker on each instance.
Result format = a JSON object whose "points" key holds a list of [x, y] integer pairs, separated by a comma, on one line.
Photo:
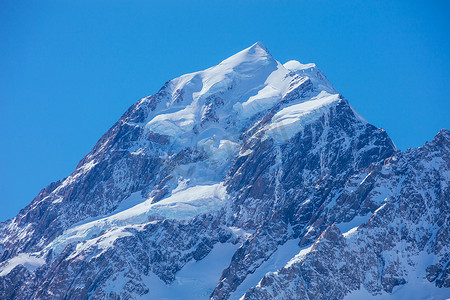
{"points": [[69, 69]]}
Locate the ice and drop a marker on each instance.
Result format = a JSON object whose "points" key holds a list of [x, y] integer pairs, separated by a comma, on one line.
{"points": [[296, 66], [220, 150], [292, 119], [183, 204], [28, 260], [263, 100], [174, 124], [191, 202]]}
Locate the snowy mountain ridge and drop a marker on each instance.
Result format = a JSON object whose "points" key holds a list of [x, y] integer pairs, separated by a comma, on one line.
{"points": [[249, 179]]}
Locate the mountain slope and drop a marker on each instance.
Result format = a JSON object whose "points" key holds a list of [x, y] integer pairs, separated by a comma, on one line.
{"points": [[252, 164], [405, 242]]}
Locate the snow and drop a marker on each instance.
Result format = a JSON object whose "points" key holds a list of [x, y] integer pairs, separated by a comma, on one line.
{"points": [[264, 99], [133, 200], [103, 242], [183, 204], [241, 233], [271, 92], [417, 286], [173, 124], [348, 228], [196, 280], [313, 73], [58, 199], [292, 119], [419, 289], [244, 85], [277, 260], [299, 256], [191, 202], [219, 150], [88, 166], [414, 267], [296, 66], [235, 77], [350, 232], [28, 260], [246, 152], [250, 82]]}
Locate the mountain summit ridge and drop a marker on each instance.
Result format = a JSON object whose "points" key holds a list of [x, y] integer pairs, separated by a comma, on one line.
{"points": [[261, 167]]}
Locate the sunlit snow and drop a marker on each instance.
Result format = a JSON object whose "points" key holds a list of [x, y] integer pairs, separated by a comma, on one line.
{"points": [[292, 119], [196, 280], [28, 260], [181, 205]]}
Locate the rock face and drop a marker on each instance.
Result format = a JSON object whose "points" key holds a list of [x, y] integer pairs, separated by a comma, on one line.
{"points": [[250, 178], [409, 229]]}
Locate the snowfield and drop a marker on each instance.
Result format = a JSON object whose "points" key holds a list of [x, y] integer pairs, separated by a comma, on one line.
{"points": [[181, 205]]}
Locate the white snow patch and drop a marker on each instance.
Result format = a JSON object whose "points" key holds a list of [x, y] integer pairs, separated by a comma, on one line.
{"points": [[139, 151], [88, 166], [270, 93], [299, 256], [239, 232], [191, 202], [292, 119], [196, 280], [295, 66], [350, 232], [246, 152], [278, 260], [265, 99], [58, 199], [132, 200], [28, 260], [350, 227]]}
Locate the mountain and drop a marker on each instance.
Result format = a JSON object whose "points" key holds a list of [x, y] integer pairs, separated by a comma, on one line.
{"points": [[250, 179]]}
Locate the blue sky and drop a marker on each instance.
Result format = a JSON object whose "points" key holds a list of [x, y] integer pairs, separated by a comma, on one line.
{"points": [[69, 69]]}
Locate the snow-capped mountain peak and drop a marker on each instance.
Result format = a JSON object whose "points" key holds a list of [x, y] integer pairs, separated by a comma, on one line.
{"points": [[251, 57], [248, 179]]}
